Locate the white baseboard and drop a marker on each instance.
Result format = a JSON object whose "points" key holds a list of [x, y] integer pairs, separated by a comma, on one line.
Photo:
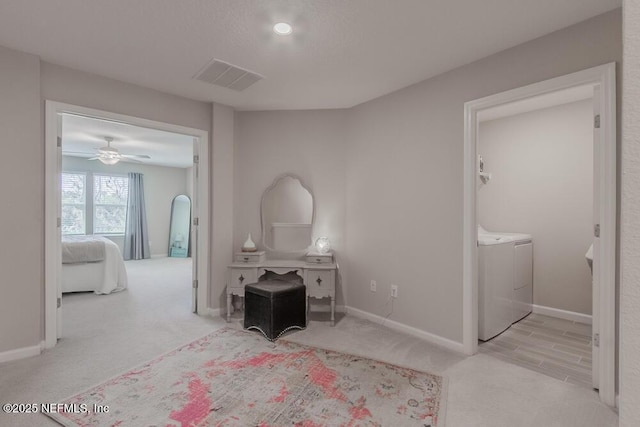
{"points": [[213, 312], [410, 330], [563, 314], [21, 353], [165, 255], [325, 308]]}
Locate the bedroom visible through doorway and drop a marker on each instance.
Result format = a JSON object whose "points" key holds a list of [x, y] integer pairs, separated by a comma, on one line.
{"points": [[127, 205]]}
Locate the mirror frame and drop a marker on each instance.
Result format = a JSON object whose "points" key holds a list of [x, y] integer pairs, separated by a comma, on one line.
{"points": [[173, 201], [313, 211]]}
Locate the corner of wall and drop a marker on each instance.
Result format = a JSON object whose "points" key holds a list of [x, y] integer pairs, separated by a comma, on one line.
{"points": [[222, 165]]}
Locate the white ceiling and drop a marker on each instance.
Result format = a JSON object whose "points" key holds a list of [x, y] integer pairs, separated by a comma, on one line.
{"points": [[83, 136], [341, 53]]}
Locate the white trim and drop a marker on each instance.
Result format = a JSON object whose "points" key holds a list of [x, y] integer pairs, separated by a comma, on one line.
{"points": [[602, 76], [52, 242], [165, 255], [409, 330], [213, 312], [324, 308], [51, 248], [563, 314], [21, 353]]}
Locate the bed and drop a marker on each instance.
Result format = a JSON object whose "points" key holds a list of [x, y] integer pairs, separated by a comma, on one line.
{"points": [[92, 263]]}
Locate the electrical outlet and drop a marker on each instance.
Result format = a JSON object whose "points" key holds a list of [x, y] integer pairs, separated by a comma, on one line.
{"points": [[394, 291], [374, 286]]}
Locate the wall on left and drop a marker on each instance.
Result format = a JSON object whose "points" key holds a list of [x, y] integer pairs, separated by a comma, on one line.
{"points": [[25, 83], [22, 208]]}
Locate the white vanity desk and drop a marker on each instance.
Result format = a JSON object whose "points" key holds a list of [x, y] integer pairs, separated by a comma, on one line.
{"points": [[319, 278]]}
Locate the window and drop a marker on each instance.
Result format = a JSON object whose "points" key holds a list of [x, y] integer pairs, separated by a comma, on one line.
{"points": [[110, 195], [74, 196], [93, 203]]}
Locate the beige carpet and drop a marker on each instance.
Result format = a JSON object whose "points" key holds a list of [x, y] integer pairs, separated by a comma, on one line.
{"points": [[107, 335]]}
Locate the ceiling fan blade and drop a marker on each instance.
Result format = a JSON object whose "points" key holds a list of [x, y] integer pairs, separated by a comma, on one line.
{"points": [[77, 152], [136, 156], [94, 158]]}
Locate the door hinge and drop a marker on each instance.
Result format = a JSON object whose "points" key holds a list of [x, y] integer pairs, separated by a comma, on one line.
{"points": [[59, 302], [195, 284], [596, 122], [59, 222], [59, 143], [196, 159], [196, 221], [596, 230], [596, 340]]}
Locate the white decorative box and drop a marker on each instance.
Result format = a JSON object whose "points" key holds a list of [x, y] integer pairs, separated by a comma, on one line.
{"points": [[249, 256], [318, 258]]}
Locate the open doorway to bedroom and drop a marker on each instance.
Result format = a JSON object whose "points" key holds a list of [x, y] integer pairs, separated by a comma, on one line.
{"points": [[125, 196]]}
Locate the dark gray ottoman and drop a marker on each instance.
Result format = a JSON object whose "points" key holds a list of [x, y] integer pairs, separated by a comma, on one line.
{"points": [[275, 306]]}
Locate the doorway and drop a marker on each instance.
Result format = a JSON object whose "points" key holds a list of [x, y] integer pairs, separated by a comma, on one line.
{"points": [[602, 81], [536, 180], [53, 173]]}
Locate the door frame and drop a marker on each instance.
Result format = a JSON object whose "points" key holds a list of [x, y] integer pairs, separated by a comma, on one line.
{"points": [[52, 271], [604, 77]]}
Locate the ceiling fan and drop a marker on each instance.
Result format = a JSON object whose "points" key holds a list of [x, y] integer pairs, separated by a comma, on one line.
{"points": [[110, 155]]}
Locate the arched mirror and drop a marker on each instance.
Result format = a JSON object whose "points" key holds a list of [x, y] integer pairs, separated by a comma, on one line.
{"points": [[180, 226], [287, 213]]}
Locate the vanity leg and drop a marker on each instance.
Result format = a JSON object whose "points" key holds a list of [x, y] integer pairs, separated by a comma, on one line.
{"points": [[333, 311], [228, 308]]}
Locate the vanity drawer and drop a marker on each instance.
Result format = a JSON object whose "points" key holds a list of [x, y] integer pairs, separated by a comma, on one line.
{"points": [[242, 276], [249, 257], [316, 258], [320, 282]]}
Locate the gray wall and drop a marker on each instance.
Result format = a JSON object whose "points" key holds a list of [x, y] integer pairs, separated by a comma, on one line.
{"points": [[25, 82], [404, 174], [22, 207], [161, 185], [309, 144], [630, 230], [542, 184]]}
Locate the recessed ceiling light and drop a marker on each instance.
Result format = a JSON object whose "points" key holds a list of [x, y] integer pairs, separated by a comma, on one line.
{"points": [[282, 29]]}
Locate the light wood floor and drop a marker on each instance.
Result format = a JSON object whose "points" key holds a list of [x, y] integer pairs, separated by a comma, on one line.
{"points": [[555, 347]]}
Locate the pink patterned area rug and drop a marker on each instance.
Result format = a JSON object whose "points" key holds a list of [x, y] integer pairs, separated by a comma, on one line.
{"points": [[236, 378]]}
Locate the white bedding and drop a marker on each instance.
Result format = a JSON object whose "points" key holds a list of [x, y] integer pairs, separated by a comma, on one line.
{"points": [[102, 277]]}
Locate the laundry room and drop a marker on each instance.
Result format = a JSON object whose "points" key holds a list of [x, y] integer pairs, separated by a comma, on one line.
{"points": [[535, 211]]}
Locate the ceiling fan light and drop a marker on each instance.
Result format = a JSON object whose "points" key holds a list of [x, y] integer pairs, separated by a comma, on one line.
{"points": [[109, 160]]}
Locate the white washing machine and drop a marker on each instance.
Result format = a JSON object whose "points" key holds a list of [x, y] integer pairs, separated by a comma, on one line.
{"points": [[523, 276], [495, 284], [521, 283]]}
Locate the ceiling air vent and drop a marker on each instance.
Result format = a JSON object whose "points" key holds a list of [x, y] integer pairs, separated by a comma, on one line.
{"points": [[226, 75]]}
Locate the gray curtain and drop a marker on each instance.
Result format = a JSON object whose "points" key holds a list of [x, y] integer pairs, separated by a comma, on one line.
{"points": [[136, 236]]}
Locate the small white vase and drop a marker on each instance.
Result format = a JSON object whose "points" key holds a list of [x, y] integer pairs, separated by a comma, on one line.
{"points": [[249, 246]]}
